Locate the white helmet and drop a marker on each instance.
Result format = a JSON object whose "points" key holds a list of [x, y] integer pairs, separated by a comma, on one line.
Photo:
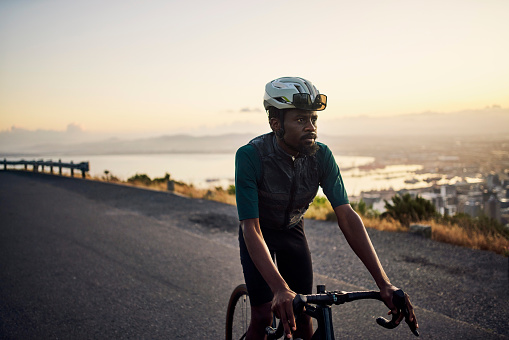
{"points": [[293, 93]]}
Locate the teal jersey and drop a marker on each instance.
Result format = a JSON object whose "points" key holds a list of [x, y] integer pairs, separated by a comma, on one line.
{"points": [[248, 172]]}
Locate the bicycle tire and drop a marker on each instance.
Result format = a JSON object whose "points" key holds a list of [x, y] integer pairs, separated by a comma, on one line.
{"points": [[238, 315]]}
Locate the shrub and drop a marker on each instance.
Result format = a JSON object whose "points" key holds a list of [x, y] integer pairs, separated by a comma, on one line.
{"points": [[364, 210], [162, 180], [140, 179], [406, 209]]}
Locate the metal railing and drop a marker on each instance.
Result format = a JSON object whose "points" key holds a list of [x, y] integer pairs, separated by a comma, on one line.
{"points": [[84, 167]]}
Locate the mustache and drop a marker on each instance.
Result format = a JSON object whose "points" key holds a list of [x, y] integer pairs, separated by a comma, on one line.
{"points": [[309, 136]]}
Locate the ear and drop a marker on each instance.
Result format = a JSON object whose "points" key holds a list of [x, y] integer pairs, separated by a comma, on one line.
{"points": [[275, 124]]}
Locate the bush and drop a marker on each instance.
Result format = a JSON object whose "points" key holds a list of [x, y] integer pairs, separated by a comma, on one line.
{"points": [[162, 180], [406, 209], [140, 179], [320, 201], [108, 177]]}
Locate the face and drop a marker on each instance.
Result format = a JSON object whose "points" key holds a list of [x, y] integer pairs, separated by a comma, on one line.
{"points": [[300, 132]]}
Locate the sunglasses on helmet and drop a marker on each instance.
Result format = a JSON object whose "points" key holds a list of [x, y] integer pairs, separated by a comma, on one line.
{"points": [[303, 101]]}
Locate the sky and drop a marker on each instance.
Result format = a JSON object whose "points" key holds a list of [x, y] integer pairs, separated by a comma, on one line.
{"points": [[136, 67]]}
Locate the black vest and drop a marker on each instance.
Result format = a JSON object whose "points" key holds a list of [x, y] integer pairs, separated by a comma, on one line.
{"points": [[287, 186]]}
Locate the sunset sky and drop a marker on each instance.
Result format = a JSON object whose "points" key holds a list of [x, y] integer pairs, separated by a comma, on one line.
{"points": [[176, 66]]}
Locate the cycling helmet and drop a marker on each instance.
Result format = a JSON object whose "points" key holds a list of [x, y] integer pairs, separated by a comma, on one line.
{"points": [[293, 93]]}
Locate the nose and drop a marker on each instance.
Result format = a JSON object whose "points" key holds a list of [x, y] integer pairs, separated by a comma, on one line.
{"points": [[310, 126]]}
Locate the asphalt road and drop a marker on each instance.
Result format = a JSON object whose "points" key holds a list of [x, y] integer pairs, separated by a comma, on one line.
{"points": [[82, 260]]}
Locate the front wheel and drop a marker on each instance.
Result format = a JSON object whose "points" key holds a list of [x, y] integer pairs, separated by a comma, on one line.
{"points": [[238, 315]]}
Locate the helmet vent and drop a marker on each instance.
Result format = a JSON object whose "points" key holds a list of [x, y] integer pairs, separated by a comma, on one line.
{"points": [[279, 85]]}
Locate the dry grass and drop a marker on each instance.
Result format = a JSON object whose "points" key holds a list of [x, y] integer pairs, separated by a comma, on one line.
{"points": [[320, 212], [383, 224], [452, 233], [218, 194]]}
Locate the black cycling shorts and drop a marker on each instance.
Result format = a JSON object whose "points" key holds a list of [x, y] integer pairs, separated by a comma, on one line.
{"points": [[293, 259]]}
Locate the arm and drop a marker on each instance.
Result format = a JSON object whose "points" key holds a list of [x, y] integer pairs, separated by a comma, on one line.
{"points": [[355, 233], [282, 303]]}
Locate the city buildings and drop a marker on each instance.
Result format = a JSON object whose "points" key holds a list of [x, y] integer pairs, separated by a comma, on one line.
{"points": [[489, 198]]}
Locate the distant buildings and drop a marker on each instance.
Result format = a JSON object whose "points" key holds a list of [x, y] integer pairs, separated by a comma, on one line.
{"points": [[490, 198]]}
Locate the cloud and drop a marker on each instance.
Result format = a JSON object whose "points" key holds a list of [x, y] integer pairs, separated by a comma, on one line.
{"points": [[249, 110], [74, 128]]}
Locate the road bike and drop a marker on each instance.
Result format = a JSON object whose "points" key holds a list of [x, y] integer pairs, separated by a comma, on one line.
{"points": [[318, 306]]}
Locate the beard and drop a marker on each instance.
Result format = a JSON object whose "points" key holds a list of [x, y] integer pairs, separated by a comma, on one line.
{"points": [[308, 149]]}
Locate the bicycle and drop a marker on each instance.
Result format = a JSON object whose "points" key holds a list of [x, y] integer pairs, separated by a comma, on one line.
{"points": [[318, 306]]}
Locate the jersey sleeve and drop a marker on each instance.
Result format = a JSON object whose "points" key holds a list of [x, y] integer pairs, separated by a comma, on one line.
{"points": [[247, 173], [331, 180]]}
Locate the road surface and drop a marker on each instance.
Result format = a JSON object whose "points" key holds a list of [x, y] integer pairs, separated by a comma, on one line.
{"points": [[81, 259]]}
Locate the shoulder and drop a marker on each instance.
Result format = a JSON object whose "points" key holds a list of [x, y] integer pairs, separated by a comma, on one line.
{"points": [[247, 150], [247, 155], [262, 140], [322, 146], [323, 152]]}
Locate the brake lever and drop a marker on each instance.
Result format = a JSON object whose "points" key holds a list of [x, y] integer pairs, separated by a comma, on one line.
{"points": [[299, 304], [399, 301]]}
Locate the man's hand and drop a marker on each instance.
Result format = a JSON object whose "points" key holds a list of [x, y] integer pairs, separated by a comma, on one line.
{"points": [[387, 294], [282, 306]]}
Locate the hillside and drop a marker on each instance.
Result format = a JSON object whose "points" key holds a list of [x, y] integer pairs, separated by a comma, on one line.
{"points": [[370, 136]]}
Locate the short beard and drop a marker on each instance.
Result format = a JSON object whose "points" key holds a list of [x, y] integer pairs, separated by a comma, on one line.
{"points": [[309, 150]]}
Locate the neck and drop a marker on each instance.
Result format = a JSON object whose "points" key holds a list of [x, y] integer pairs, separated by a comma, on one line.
{"points": [[291, 150]]}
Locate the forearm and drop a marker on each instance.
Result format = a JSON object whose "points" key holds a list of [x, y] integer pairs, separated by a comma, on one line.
{"points": [[260, 254], [355, 233]]}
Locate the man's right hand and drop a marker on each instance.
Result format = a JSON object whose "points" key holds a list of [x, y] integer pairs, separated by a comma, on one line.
{"points": [[282, 307]]}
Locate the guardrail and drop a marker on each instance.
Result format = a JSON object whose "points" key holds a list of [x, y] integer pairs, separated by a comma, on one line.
{"points": [[84, 167]]}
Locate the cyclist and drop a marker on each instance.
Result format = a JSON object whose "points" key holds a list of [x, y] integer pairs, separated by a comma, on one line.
{"points": [[277, 176]]}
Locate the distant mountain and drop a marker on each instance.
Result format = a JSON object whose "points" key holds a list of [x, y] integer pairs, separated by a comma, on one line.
{"points": [[165, 144], [345, 135], [162, 144], [489, 121]]}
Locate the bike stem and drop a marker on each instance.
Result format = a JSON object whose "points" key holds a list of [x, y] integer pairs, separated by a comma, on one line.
{"points": [[323, 315]]}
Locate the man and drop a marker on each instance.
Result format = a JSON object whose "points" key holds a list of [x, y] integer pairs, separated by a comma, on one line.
{"points": [[277, 176]]}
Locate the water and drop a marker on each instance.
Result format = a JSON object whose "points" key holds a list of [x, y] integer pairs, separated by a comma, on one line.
{"points": [[212, 170]]}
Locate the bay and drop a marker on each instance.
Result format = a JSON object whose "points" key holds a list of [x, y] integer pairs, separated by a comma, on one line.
{"points": [[209, 170]]}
